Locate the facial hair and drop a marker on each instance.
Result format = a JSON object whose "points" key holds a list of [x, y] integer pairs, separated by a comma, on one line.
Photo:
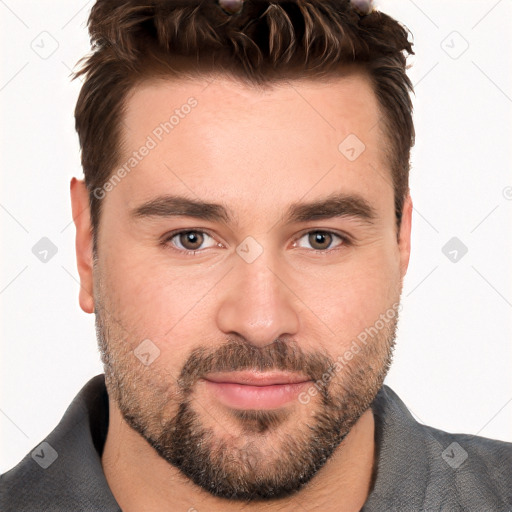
{"points": [[249, 466]]}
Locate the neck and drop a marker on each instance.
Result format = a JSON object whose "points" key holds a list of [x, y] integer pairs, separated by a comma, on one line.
{"points": [[141, 480]]}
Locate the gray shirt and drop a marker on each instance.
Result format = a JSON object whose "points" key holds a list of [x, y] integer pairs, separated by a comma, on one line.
{"points": [[418, 467]]}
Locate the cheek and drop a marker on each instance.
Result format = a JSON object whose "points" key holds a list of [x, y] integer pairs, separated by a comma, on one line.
{"points": [[158, 300], [351, 297]]}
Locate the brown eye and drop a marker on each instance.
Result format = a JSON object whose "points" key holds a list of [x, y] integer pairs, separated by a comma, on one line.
{"points": [[320, 240], [190, 240]]}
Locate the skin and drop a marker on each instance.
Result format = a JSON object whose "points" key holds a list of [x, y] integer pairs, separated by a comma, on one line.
{"points": [[257, 154]]}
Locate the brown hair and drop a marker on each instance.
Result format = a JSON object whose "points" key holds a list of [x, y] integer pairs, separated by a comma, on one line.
{"points": [[265, 42]]}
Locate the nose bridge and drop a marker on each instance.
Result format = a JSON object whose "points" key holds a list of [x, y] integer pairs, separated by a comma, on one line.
{"points": [[257, 304]]}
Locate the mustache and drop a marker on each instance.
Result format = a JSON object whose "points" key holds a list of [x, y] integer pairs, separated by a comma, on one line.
{"points": [[238, 355]]}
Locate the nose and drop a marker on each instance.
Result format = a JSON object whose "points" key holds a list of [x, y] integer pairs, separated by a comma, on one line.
{"points": [[257, 304]]}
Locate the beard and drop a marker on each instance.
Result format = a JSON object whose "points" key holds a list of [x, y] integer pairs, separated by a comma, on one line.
{"points": [[249, 455]]}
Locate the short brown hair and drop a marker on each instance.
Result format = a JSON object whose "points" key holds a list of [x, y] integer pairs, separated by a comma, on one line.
{"points": [[267, 41]]}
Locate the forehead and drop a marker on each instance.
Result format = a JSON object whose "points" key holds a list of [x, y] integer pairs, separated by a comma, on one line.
{"points": [[220, 138], [329, 107]]}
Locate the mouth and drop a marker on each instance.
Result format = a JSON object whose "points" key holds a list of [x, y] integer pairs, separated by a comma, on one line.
{"points": [[255, 390]]}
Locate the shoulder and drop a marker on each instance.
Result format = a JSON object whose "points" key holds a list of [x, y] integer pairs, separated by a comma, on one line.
{"points": [[64, 471], [467, 471], [427, 468], [474, 464]]}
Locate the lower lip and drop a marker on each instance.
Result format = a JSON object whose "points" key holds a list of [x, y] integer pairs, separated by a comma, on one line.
{"points": [[241, 396]]}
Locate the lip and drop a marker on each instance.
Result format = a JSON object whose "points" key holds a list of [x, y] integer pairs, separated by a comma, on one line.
{"points": [[255, 390], [253, 378]]}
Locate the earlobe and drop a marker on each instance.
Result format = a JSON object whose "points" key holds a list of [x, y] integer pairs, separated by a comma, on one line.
{"points": [[83, 245], [404, 242]]}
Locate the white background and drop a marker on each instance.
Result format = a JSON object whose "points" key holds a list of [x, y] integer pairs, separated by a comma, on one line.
{"points": [[453, 359]]}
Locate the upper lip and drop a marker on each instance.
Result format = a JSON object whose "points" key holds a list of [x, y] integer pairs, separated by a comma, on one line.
{"points": [[253, 378]]}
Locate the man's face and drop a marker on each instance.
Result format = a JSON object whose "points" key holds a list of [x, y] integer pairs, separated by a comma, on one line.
{"points": [[219, 324]]}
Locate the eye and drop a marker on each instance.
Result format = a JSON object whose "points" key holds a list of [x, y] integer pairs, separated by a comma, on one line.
{"points": [[191, 241], [321, 240]]}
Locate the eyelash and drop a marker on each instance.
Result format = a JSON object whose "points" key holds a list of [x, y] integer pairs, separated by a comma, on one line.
{"points": [[345, 240]]}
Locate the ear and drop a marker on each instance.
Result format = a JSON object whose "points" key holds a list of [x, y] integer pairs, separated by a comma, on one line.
{"points": [[83, 244], [404, 237]]}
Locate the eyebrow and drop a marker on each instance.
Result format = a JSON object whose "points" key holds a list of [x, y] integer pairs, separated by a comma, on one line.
{"points": [[334, 205]]}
